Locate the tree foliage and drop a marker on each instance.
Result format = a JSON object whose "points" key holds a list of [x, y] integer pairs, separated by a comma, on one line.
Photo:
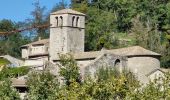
{"points": [[7, 92], [42, 86], [144, 22], [11, 44], [39, 18], [7, 72], [108, 84], [69, 69]]}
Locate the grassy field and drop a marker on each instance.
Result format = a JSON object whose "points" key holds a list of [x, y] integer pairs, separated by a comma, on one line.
{"points": [[4, 61]]}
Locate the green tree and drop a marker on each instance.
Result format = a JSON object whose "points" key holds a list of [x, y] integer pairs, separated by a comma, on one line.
{"points": [[123, 11], [39, 18], [99, 30], [8, 46], [7, 72], [154, 90], [7, 92], [79, 5], [109, 84], [69, 69], [59, 6], [42, 86]]}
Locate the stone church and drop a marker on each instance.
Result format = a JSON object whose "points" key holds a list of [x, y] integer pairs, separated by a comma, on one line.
{"points": [[67, 35]]}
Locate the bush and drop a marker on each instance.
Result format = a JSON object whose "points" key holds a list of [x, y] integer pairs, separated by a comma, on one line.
{"points": [[13, 72], [109, 85], [165, 62], [4, 61], [69, 69], [42, 86], [7, 92]]}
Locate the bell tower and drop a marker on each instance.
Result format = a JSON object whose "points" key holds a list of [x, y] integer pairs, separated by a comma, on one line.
{"points": [[66, 32]]}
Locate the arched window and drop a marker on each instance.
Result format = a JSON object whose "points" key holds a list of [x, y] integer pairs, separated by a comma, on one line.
{"points": [[56, 21], [77, 21], [61, 21], [73, 20], [117, 63]]}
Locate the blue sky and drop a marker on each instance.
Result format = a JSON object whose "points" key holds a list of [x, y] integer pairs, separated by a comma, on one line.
{"points": [[19, 10]]}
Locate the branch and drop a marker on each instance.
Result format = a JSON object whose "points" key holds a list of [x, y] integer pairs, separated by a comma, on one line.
{"points": [[25, 29]]}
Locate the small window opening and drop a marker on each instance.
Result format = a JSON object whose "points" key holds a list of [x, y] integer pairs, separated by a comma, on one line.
{"points": [[63, 41], [57, 21], [117, 63], [61, 21], [73, 20], [77, 20]]}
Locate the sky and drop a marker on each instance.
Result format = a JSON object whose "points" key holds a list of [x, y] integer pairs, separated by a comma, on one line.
{"points": [[19, 10]]}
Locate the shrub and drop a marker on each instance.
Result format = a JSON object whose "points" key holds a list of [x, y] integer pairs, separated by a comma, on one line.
{"points": [[13, 72], [69, 69], [42, 86], [7, 92]]}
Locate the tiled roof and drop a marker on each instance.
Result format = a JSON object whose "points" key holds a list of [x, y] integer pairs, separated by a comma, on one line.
{"points": [[134, 50], [18, 82], [68, 11], [86, 55], [127, 51], [153, 71], [43, 41]]}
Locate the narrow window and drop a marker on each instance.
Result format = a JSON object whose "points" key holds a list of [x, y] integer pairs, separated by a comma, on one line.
{"points": [[73, 20], [57, 21], [61, 21], [63, 44], [77, 20], [117, 63]]}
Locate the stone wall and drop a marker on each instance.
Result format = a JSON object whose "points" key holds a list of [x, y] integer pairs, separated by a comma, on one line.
{"points": [[156, 75], [143, 64], [34, 50], [24, 53], [39, 49], [105, 60]]}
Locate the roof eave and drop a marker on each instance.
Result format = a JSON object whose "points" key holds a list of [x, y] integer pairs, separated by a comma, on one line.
{"points": [[143, 55], [67, 13]]}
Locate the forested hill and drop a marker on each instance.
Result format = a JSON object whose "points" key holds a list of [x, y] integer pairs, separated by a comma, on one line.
{"points": [[109, 23]]}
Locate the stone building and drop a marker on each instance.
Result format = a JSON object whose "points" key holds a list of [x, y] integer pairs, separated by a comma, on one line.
{"points": [[36, 50], [67, 33]]}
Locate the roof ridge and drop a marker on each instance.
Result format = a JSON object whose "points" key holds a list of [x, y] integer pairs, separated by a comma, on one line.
{"points": [[68, 11], [45, 40], [133, 50]]}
